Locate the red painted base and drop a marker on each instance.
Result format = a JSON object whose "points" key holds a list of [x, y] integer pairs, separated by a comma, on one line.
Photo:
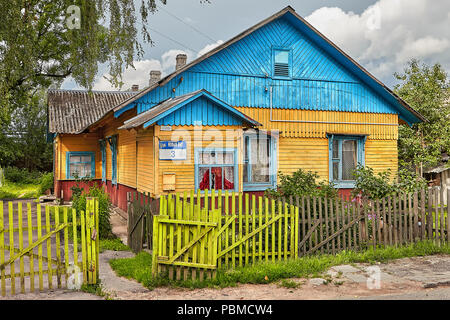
{"points": [[117, 193]]}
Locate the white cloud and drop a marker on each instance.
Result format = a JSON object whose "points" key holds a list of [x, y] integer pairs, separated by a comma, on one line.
{"points": [[209, 47], [141, 74], [389, 33]]}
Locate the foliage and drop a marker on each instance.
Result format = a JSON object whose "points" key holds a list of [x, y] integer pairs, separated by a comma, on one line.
{"points": [[104, 206], [46, 182], [426, 90], [43, 42], [114, 244], [268, 272], [24, 141], [2, 176], [13, 190], [302, 183], [373, 186], [22, 176], [409, 181]]}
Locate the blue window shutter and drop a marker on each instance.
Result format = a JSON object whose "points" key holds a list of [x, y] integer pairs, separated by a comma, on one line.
{"points": [[113, 146], [103, 152]]}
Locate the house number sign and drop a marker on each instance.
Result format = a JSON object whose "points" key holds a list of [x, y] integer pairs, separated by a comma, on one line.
{"points": [[172, 150]]}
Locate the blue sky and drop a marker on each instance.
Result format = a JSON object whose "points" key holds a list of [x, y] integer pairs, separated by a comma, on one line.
{"points": [[382, 35]]}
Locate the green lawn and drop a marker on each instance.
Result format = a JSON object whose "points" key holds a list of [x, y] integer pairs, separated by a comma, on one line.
{"points": [[11, 190], [139, 267]]}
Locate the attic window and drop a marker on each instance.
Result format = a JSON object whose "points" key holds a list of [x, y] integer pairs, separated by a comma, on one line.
{"points": [[281, 63]]}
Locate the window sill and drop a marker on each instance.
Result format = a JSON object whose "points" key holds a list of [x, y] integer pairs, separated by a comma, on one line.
{"points": [[344, 184], [256, 187]]}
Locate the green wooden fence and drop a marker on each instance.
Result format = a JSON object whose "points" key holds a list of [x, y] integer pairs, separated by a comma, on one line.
{"points": [[197, 233], [36, 249]]}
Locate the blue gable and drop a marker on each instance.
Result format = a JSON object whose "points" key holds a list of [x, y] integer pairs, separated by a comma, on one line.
{"points": [[240, 74], [201, 110]]}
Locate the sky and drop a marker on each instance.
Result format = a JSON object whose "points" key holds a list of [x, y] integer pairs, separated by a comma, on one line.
{"points": [[381, 35]]}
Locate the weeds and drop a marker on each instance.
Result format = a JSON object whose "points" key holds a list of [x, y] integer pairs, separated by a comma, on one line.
{"points": [[139, 267]]}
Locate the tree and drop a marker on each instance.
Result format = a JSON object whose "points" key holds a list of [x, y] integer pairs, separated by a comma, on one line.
{"points": [[425, 89], [44, 41]]}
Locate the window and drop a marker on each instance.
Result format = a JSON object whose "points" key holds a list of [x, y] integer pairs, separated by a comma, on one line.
{"points": [[216, 169], [80, 164], [259, 161], [103, 152], [281, 63], [346, 152], [113, 145]]}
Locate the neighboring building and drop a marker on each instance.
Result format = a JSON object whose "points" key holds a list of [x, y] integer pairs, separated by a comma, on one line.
{"points": [[277, 97], [439, 176]]}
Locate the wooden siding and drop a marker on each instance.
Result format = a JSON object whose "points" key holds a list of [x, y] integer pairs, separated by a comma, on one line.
{"points": [[126, 158], [145, 160], [303, 153], [241, 75], [311, 154], [382, 155], [185, 170], [319, 130], [201, 110], [81, 142]]}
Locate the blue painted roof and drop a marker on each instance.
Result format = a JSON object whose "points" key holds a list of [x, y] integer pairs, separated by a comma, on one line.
{"points": [[239, 72], [195, 108]]}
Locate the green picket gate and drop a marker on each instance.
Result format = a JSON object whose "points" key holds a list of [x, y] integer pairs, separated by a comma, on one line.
{"points": [[195, 234]]}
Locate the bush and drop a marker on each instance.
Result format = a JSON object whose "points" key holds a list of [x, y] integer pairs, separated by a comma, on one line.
{"points": [[302, 183], [371, 185], [46, 183], [104, 205], [22, 176], [376, 186]]}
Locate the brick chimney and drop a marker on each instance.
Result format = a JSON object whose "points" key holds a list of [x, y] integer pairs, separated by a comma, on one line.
{"points": [[181, 61], [155, 76], [135, 87]]}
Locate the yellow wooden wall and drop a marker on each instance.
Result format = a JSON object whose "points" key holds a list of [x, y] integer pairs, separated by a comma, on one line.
{"points": [[145, 163], [319, 130], [301, 145], [126, 151], [311, 154], [72, 142], [126, 158], [185, 170]]}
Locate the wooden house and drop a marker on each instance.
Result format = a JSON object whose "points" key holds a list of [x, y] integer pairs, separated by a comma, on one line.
{"points": [[277, 97]]}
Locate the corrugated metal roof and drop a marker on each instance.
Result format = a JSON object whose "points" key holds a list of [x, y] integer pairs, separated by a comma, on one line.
{"points": [[72, 111]]}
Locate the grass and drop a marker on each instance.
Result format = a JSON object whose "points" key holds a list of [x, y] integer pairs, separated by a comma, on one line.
{"points": [[12, 190], [96, 289], [139, 267], [114, 244]]}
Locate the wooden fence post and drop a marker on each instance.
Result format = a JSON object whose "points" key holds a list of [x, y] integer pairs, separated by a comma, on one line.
{"points": [[130, 218], [448, 215]]}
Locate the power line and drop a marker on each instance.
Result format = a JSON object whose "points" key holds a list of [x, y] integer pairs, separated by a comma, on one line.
{"points": [[169, 38], [184, 22]]}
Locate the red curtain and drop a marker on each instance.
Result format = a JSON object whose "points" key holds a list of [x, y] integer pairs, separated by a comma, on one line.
{"points": [[217, 178]]}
